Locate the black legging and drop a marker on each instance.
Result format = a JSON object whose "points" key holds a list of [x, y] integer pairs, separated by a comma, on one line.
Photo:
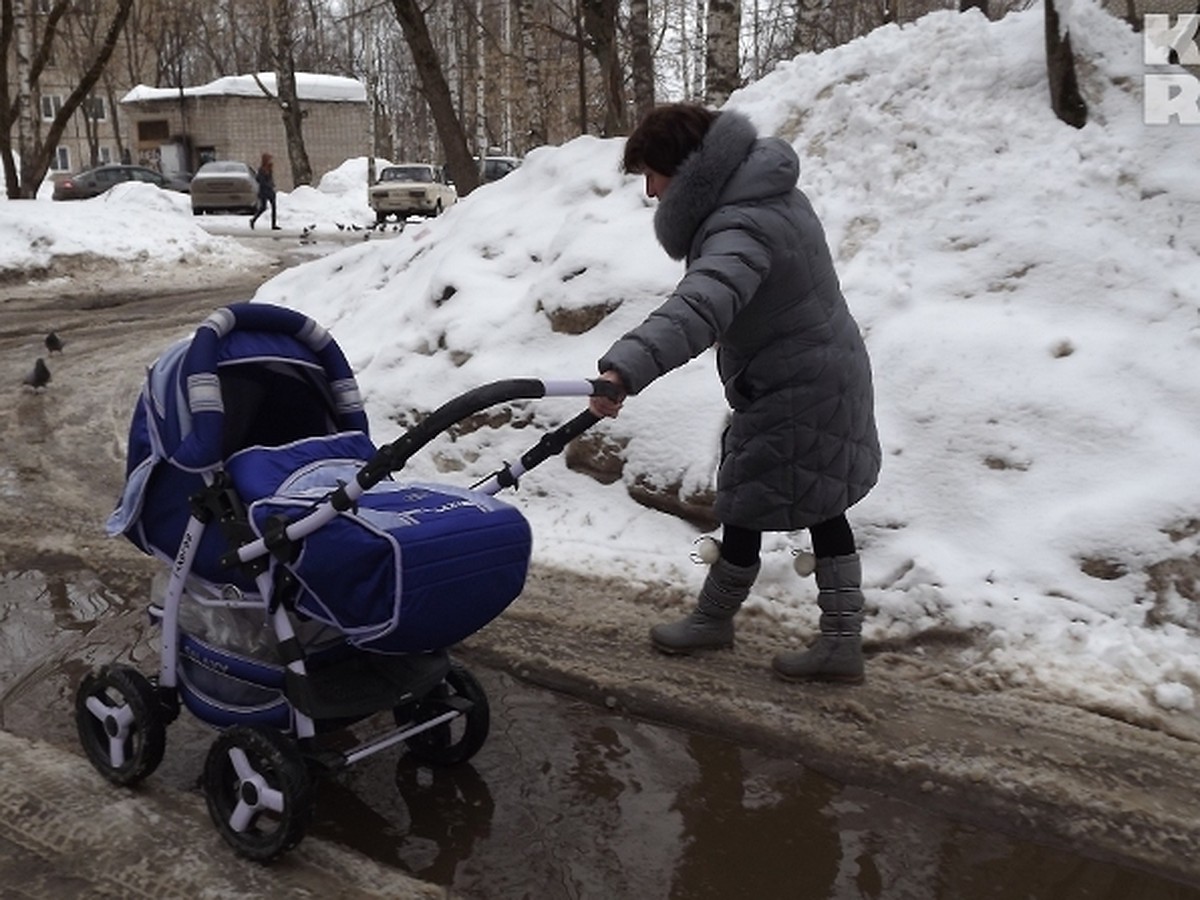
{"points": [[833, 537]]}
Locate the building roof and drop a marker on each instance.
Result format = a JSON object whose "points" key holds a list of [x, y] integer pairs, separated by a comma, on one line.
{"points": [[309, 86]]}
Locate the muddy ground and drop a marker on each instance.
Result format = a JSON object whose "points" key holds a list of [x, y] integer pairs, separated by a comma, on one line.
{"points": [[921, 728]]}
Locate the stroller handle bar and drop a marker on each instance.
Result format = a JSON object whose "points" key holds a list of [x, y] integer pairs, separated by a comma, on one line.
{"points": [[392, 457]]}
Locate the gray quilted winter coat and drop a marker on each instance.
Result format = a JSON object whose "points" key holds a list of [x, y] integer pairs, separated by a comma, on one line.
{"points": [[801, 445]]}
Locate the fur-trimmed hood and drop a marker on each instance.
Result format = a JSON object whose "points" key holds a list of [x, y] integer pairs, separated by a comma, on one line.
{"points": [[732, 165]]}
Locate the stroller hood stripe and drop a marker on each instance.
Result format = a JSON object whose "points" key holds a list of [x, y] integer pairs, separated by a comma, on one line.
{"points": [[200, 449]]}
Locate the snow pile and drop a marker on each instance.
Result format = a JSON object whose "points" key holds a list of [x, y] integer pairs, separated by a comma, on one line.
{"points": [[1024, 288], [132, 223]]}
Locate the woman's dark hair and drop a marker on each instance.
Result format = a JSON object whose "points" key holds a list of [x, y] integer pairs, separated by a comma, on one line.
{"points": [[665, 137]]}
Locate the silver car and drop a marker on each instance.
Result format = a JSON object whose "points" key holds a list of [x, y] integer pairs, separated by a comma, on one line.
{"points": [[412, 189], [224, 185]]}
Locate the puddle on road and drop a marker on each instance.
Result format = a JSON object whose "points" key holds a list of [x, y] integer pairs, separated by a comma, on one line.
{"points": [[45, 618], [569, 801]]}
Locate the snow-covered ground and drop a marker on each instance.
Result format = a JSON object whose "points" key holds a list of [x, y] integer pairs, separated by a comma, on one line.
{"points": [[1028, 292]]}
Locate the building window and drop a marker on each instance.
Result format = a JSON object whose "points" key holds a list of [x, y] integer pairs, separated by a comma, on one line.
{"points": [[93, 108], [105, 156], [62, 159], [153, 130], [51, 104]]}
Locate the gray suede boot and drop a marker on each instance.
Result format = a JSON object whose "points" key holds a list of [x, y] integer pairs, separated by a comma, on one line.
{"points": [[837, 653], [710, 625]]}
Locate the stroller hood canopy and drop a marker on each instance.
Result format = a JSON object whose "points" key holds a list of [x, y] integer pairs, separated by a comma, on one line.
{"points": [[182, 422], [263, 395]]}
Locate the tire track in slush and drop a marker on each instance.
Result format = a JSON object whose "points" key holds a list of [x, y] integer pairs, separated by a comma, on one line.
{"points": [[113, 843]]}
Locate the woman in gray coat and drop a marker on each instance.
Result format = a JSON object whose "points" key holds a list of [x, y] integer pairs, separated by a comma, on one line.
{"points": [[760, 285]]}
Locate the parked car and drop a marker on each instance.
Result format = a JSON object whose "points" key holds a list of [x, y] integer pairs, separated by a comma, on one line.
{"points": [[224, 185], [411, 189], [94, 182]]}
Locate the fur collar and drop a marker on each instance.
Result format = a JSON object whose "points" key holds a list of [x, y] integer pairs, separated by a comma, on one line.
{"points": [[695, 190]]}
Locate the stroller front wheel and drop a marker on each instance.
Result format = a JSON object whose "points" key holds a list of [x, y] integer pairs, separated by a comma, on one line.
{"points": [[458, 739], [120, 726], [259, 791]]}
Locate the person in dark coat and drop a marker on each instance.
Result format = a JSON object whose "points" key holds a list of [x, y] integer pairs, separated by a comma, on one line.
{"points": [[801, 447], [266, 189]]}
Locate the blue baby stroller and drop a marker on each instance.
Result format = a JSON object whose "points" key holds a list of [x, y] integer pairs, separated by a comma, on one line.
{"points": [[306, 591]]}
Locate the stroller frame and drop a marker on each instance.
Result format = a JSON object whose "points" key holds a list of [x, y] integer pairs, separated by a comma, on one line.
{"points": [[260, 773]]}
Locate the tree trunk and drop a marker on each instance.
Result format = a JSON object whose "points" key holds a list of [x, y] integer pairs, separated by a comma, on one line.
{"points": [[721, 61], [600, 22], [437, 95], [581, 67], [481, 73], [289, 100], [1065, 99], [535, 125], [642, 57]]}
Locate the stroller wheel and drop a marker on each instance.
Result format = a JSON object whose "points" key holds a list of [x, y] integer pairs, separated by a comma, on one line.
{"points": [[121, 728], [258, 790], [459, 738]]}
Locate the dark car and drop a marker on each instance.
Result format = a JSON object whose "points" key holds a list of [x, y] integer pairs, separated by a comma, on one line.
{"points": [[94, 182], [224, 185], [496, 167]]}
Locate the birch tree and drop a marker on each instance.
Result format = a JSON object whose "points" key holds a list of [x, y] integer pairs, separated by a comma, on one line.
{"points": [[722, 61], [535, 103], [641, 57]]}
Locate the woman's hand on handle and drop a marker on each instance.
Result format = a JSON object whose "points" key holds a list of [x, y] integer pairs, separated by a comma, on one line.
{"points": [[609, 407]]}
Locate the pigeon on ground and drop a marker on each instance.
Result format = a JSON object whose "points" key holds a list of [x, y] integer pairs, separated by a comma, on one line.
{"points": [[54, 343], [39, 377]]}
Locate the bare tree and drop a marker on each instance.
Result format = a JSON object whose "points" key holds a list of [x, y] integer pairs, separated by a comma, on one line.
{"points": [[600, 24], [437, 95], [535, 127], [1065, 99], [32, 53], [641, 57], [288, 98]]}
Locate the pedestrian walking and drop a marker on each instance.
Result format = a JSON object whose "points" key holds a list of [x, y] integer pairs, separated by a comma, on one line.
{"points": [[266, 190]]}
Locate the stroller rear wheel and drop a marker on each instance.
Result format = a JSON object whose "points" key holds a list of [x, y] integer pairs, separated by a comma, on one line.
{"points": [[259, 791], [455, 740], [120, 725]]}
